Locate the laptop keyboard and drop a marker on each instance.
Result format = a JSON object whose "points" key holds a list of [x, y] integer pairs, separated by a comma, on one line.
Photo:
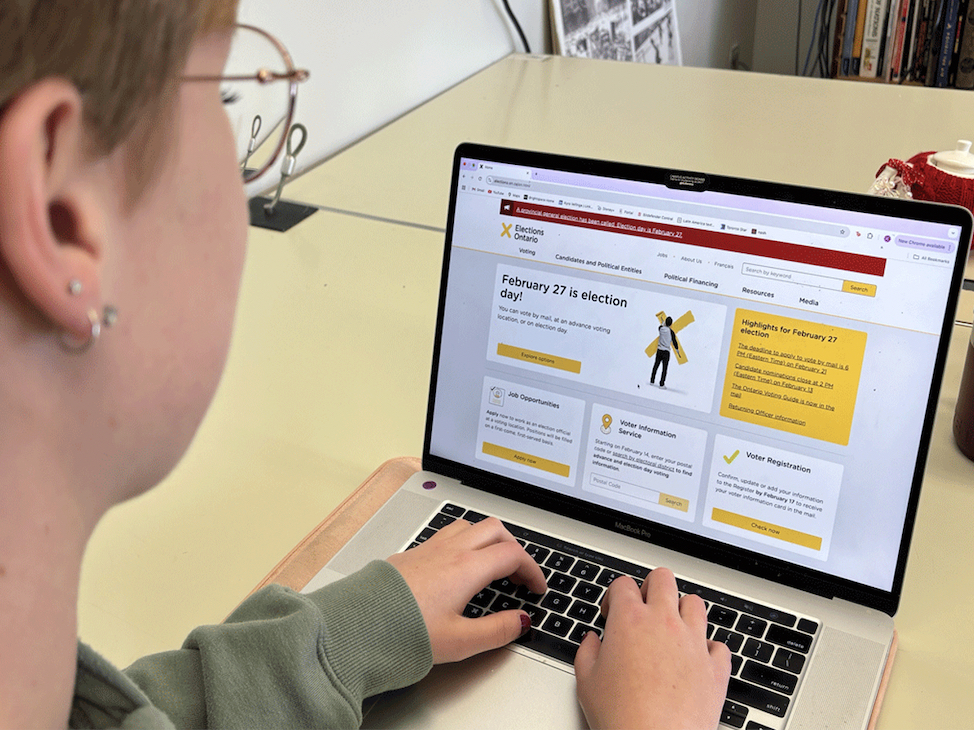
{"points": [[769, 647]]}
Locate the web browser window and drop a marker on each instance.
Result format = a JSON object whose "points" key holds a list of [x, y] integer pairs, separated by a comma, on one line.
{"points": [[722, 364]]}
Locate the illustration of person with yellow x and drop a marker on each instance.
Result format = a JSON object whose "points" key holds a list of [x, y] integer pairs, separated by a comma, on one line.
{"points": [[666, 340]]}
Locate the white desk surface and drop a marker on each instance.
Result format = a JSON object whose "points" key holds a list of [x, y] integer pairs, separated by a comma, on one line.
{"points": [[328, 372]]}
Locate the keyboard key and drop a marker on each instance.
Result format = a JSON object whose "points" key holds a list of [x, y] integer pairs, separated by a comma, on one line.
{"points": [[504, 603], [757, 726], [505, 585], [736, 661], [525, 594], [561, 582], [607, 576], [751, 626], [537, 553], [731, 720], [549, 645], [757, 697], [769, 677], [556, 602], [558, 625], [474, 517], [425, 534], [441, 520], [722, 617], [536, 613], [559, 562], [584, 612], [754, 649], [578, 633], [472, 611], [789, 638], [789, 660], [808, 626], [585, 571], [484, 598], [454, 510], [732, 640], [587, 592], [735, 709]]}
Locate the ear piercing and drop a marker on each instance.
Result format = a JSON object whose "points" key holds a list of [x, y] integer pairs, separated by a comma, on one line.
{"points": [[108, 318]]}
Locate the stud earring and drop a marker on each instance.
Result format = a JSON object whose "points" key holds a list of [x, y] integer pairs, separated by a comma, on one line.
{"points": [[74, 287]]}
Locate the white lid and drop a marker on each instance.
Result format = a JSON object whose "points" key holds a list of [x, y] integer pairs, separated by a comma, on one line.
{"points": [[956, 162]]}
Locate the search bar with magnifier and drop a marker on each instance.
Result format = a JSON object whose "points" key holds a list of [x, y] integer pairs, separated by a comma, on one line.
{"points": [[792, 277]]}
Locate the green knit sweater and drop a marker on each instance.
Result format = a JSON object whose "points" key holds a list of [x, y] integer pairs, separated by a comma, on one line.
{"points": [[282, 660]]}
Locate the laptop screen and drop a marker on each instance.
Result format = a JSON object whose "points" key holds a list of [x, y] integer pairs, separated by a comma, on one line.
{"points": [[719, 361]]}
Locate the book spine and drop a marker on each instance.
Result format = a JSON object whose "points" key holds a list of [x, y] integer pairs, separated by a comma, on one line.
{"points": [[837, 41], [908, 41], [958, 34], [872, 38], [851, 13], [886, 43], [936, 43], [899, 37], [945, 49], [965, 62], [856, 60], [924, 31]]}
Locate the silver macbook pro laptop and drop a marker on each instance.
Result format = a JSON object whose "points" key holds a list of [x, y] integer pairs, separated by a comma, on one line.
{"points": [[637, 367]]}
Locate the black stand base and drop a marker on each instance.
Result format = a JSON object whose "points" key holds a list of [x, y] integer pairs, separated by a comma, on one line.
{"points": [[285, 216]]}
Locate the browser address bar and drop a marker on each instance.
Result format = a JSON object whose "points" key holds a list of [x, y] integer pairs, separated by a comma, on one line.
{"points": [[675, 206], [507, 183]]}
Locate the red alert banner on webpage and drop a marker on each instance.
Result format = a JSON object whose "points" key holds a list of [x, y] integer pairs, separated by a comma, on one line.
{"points": [[828, 258]]}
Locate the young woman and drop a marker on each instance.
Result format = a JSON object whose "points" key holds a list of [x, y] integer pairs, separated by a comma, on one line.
{"points": [[122, 236]]}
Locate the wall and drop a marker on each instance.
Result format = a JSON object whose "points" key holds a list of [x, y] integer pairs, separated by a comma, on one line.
{"points": [[371, 62], [776, 32], [708, 29]]}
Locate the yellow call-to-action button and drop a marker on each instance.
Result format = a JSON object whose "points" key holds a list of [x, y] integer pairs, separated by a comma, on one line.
{"points": [[667, 500], [519, 457], [539, 358], [766, 528], [855, 287]]}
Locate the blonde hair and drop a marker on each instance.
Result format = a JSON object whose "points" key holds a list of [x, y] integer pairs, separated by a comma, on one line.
{"points": [[125, 56]]}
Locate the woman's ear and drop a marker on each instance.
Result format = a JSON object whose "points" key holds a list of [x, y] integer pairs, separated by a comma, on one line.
{"points": [[52, 205]]}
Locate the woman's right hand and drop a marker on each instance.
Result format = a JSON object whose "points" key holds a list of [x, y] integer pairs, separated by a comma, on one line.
{"points": [[654, 667]]}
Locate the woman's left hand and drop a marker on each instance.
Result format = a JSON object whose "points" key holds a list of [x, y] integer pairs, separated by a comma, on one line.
{"points": [[450, 568]]}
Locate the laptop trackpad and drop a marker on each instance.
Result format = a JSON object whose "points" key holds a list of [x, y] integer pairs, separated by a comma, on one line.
{"points": [[502, 685]]}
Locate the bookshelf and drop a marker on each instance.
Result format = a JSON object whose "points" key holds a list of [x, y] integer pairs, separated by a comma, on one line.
{"points": [[915, 42]]}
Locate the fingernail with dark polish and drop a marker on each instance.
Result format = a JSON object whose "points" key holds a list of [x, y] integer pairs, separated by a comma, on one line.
{"points": [[525, 623]]}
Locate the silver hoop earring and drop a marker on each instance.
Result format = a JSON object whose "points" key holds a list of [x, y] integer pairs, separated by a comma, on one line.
{"points": [[109, 317]]}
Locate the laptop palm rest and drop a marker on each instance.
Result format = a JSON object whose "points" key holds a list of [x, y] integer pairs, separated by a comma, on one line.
{"points": [[483, 688]]}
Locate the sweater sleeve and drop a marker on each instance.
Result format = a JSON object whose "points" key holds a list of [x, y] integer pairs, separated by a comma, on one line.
{"points": [[285, 659]]}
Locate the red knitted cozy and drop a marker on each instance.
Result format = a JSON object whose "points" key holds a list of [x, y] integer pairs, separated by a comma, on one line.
{"points": [[927, 182]]}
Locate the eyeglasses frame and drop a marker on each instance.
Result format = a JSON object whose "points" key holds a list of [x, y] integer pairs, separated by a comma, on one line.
{"points": [[293, 76]]}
